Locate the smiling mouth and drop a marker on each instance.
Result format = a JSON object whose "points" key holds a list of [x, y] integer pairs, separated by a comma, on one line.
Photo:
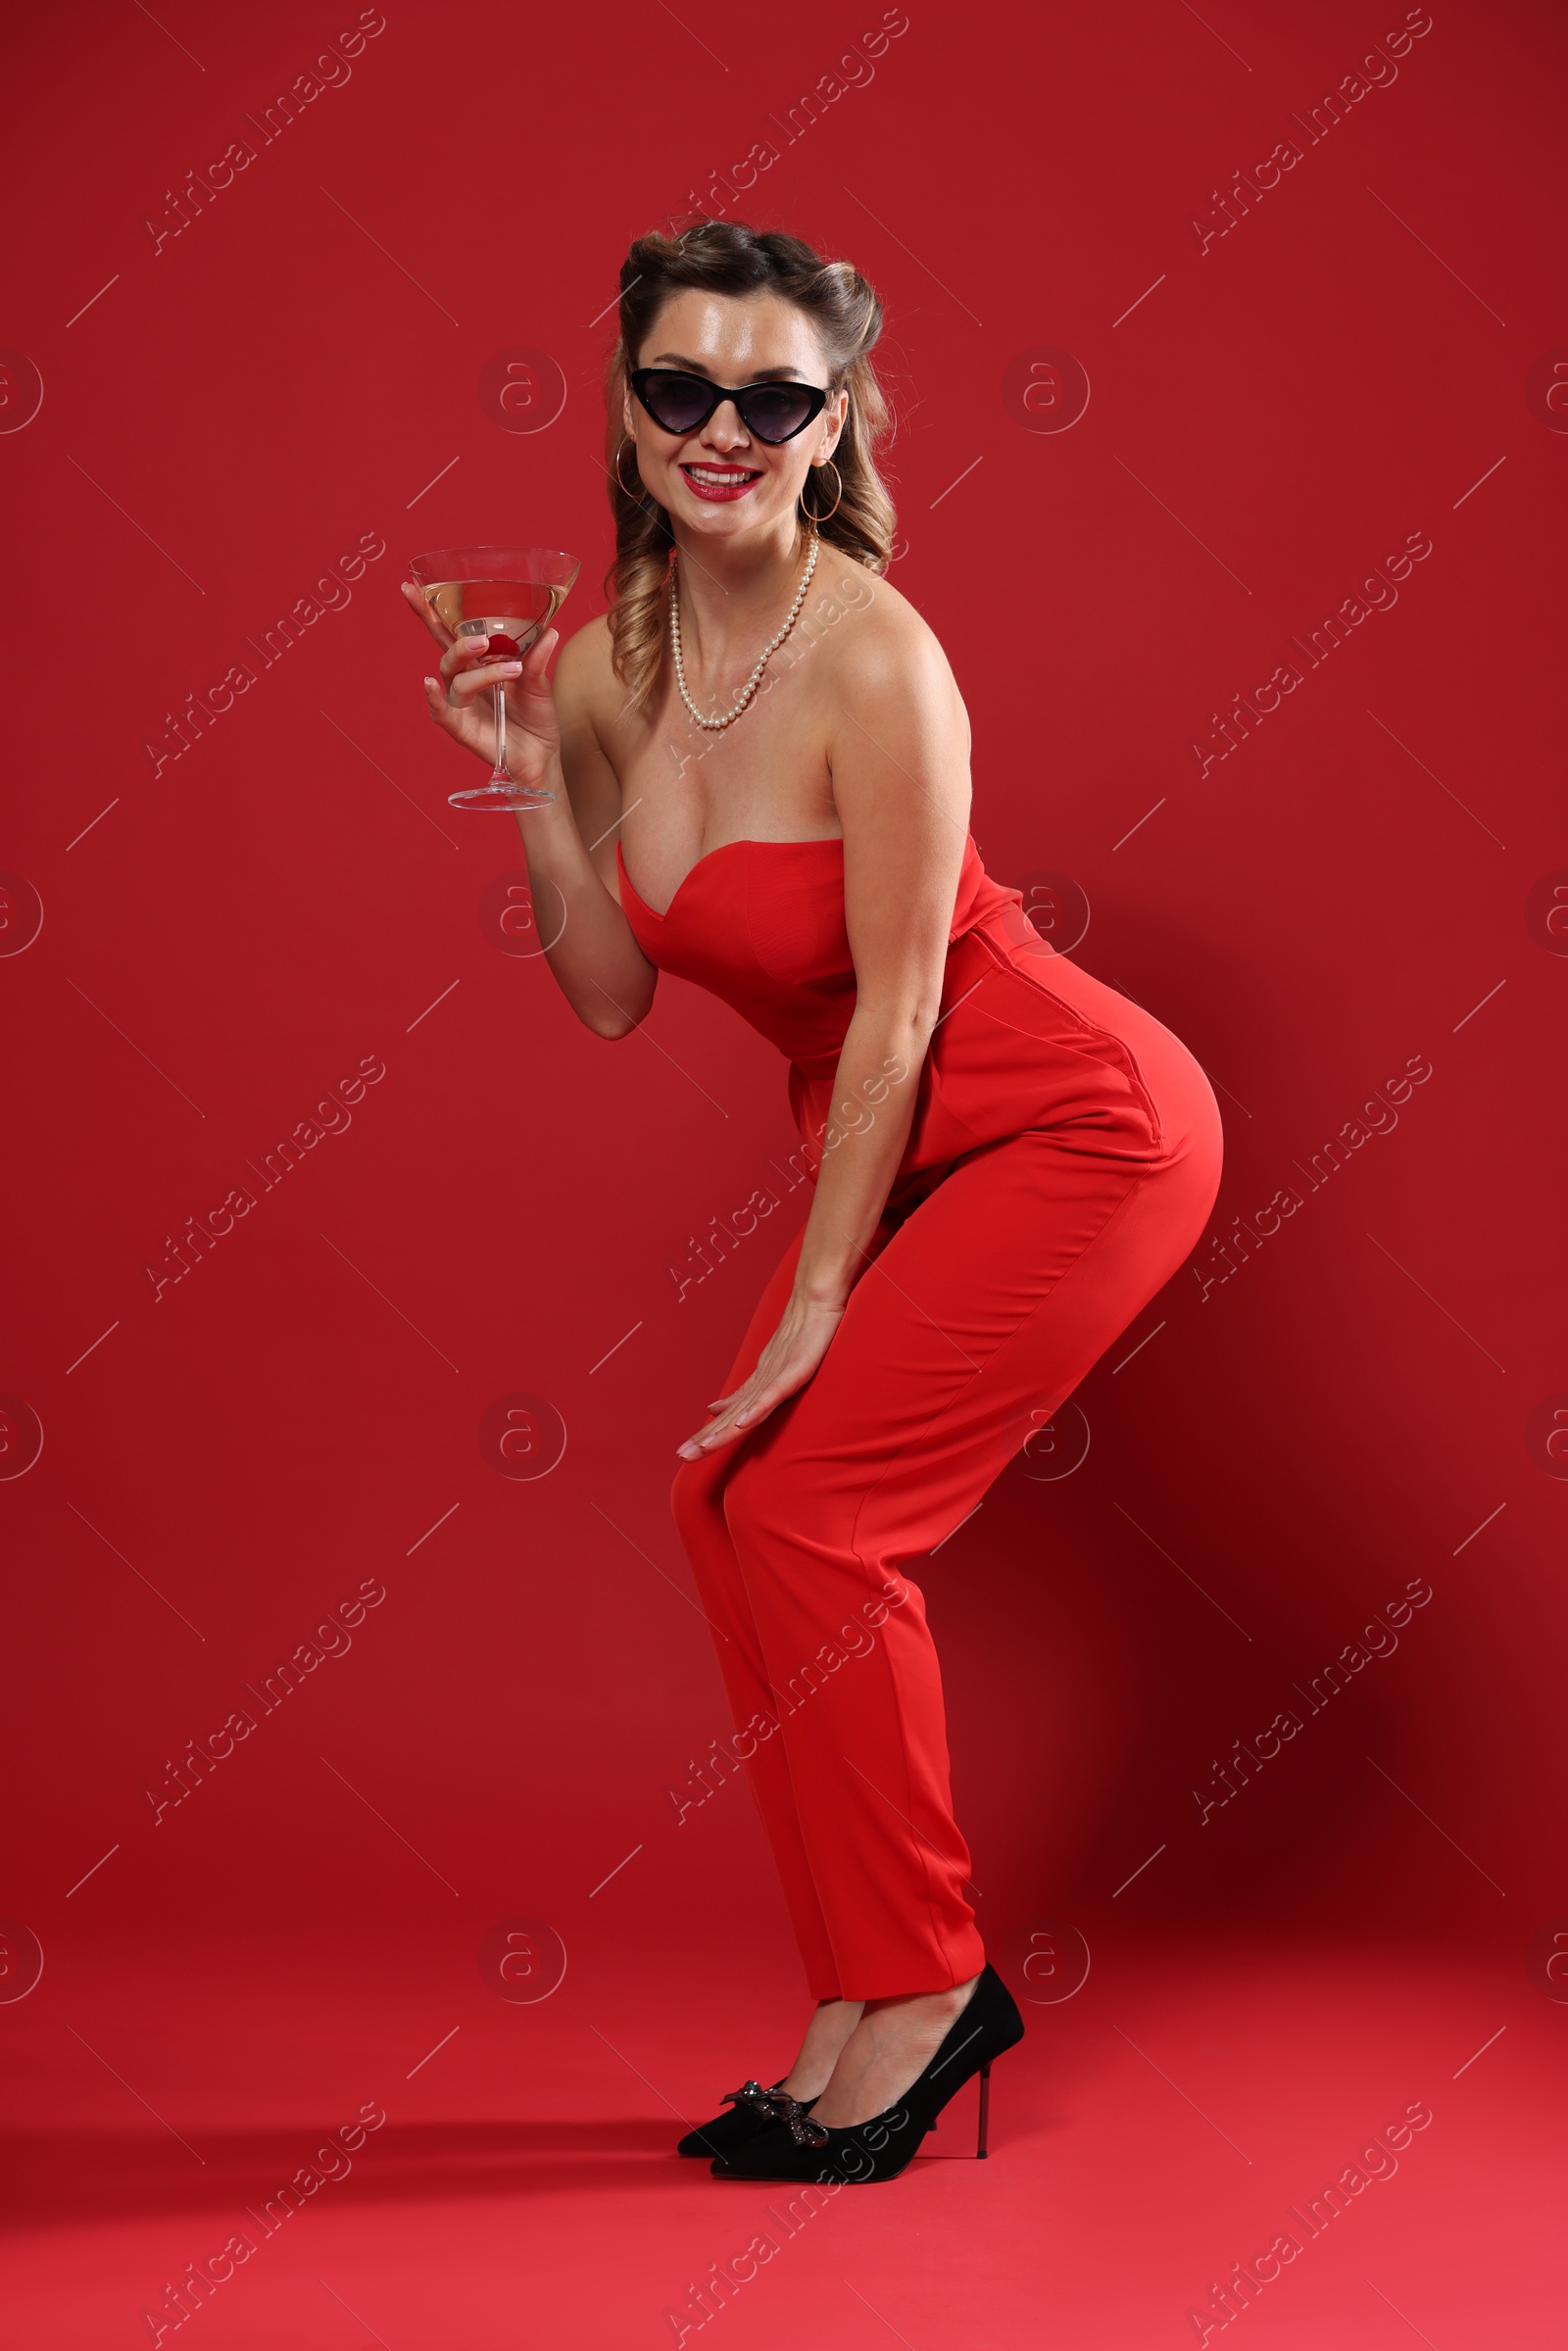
{"points": [[721, 481]]}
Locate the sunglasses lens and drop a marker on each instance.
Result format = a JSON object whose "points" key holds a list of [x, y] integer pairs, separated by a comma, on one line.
{"points": [[677, 403], [776, 411]]}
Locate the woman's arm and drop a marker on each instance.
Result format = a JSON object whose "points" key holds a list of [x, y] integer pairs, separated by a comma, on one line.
{"points": [[900, 760], [602, 972], [571, 852]]}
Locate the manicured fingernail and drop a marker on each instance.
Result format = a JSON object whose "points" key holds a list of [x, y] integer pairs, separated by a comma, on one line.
{"points": [[511, 668], [687, 1451], [432, 686]]}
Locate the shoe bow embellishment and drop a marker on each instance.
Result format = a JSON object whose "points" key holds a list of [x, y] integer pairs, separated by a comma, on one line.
{"points": [[768, 2102], [777, 2106]]}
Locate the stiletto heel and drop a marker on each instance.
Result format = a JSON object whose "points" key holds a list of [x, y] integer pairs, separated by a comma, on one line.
{"points": [[799, 2148]]}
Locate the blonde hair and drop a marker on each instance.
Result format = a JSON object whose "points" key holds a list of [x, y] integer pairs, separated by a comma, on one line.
{"points": [[727, 257]]}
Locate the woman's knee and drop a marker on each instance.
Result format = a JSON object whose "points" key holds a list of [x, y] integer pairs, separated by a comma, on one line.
{"points": [[695, 1493], [756, 1498]]}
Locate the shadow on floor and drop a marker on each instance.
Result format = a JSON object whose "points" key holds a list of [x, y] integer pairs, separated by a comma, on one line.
{"points": [[82, 2176]]}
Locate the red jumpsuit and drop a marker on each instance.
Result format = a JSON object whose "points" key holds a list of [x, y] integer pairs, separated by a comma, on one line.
{"points": [[1062, 1162]]}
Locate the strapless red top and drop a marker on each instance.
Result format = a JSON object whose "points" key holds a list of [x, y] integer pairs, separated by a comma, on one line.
{"points": [[1024, 1040]]}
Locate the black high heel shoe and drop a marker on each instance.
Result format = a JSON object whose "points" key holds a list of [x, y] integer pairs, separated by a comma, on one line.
{"points": [[797, 2148], [752, 2111]]}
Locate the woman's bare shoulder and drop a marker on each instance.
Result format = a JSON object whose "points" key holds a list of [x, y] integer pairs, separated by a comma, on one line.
{"points": [[878, 645], [871, 627], [584, 668]]}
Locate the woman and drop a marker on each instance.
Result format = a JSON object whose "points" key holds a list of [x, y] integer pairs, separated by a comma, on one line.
{"points": [[760, 762]]}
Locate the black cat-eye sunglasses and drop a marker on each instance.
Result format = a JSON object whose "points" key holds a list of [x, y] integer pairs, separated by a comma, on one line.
{"points": [[682, 404]]}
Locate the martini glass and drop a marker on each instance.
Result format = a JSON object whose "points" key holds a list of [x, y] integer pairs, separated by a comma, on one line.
{"points": [[507, 594]]}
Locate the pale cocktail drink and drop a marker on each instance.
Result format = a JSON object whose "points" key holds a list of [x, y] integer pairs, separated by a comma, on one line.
{"points": [[508, 594]]}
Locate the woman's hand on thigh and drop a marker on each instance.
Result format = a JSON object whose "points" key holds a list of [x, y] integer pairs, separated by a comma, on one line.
{"points": [[784, 1366]]}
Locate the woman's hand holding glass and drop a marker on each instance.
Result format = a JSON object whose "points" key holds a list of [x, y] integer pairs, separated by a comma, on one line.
{"points": [[460, 698]]}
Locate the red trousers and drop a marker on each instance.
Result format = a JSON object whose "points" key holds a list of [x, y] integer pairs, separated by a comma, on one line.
{"points": [[979, 1314]]}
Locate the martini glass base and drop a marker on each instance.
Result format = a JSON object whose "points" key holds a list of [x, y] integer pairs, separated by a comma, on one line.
{"points": [[506, 794]]}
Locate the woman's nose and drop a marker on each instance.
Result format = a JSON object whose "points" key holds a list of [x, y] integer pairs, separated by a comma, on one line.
{"points": [[724, 430]]}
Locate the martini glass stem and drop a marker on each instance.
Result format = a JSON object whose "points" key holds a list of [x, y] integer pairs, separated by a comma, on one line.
{"points": [[500, 775]]}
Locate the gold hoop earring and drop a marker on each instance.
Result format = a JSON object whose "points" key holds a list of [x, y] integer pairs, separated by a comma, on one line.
{"points": [[620, 485], [827, 466]]}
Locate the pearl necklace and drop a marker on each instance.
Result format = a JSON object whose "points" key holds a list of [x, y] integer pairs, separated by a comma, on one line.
{"points": [[771, 647]]}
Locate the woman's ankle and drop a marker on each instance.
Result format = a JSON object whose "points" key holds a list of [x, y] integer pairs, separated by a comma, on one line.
{"points": [[832, 2023], [956, 1997]]}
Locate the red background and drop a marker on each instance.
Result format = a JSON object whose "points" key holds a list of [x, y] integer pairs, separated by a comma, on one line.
{"points": [[225, 415]]}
